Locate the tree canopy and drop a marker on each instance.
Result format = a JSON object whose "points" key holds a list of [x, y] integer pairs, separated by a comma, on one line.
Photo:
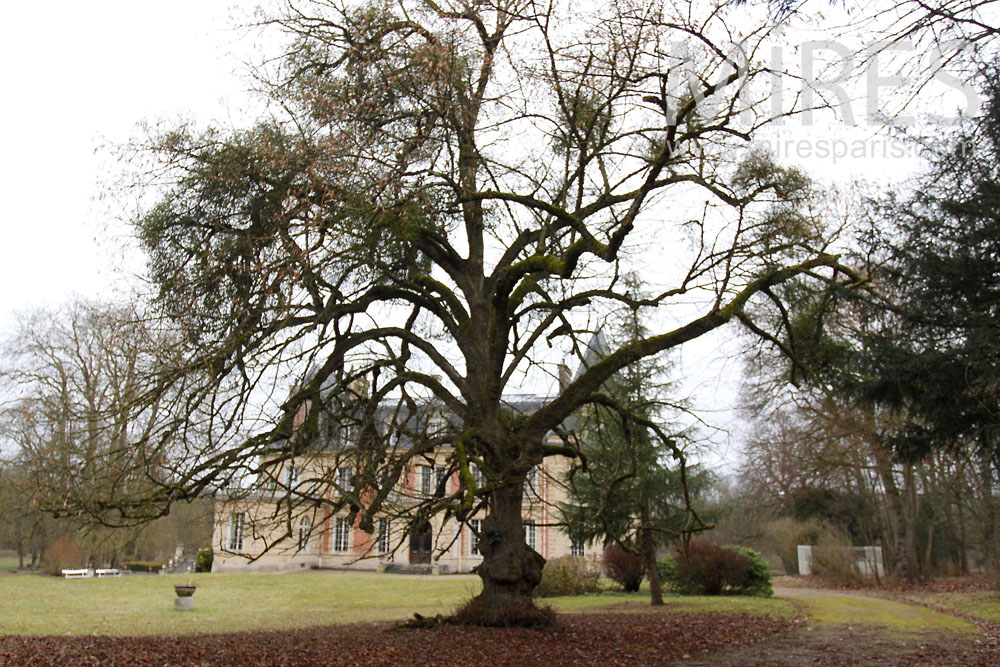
{"points": [[441, 203], [937, 355]]}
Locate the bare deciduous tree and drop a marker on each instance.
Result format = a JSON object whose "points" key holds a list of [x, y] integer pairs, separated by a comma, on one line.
{"points": [[442, 204]]}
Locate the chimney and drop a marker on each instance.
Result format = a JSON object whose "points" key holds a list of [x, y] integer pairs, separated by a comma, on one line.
{"points": [[564, 377]]}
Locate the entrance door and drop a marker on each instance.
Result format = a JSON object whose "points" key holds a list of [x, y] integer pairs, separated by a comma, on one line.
{"points": [[421, 543]]}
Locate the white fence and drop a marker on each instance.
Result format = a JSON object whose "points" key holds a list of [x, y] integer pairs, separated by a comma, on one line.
{"points": [[868, 560]]}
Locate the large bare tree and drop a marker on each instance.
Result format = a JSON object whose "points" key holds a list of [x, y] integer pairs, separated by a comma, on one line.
{"points": [[443, 202], [73, 381]]}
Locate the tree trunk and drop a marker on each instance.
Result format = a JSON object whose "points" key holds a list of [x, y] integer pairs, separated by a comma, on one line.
{"points": [[903, 564], [910, 515], [963, 543], [648, 546], [928, 567], [991, 550], [510, 570]]}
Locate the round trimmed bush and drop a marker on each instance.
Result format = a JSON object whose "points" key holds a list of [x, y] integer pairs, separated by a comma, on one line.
{"points": [[568, 575], [623, 568], [203, 563], [758, 577], [708, 569], [667, 569]]}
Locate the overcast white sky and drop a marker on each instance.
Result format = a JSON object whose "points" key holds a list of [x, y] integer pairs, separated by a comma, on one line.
{"points": [[78, 76]]}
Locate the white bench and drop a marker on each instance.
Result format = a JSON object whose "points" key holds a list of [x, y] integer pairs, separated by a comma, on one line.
{"points": [[75, 574], [112, 572]]}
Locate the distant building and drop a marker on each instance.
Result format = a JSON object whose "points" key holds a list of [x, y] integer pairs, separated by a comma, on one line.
{"points": [[271, 526]]}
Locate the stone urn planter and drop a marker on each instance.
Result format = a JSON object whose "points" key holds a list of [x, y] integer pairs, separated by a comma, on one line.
{"points": [[183, 601]]}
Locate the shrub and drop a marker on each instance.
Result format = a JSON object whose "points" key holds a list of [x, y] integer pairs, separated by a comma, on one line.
{"points": [[758, 577], [62, 554], [833, 558], [568, 576], [623, 568], [709, 569], [784, 536], [993, 577], [143, 566], [203, 562], [668, 573]]}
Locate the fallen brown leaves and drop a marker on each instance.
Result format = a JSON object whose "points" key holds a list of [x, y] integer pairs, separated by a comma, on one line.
{"points": [[867, 646], [576, 639]]}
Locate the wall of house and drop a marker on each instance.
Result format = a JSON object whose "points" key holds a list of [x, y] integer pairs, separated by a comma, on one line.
{"points": [[270, 541]]}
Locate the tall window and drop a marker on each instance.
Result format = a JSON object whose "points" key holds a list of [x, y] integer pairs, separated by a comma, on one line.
{"points": [[475, 527], [395, 495], [530, 482], [427, 480], [293, 476], [478, 476], [530, 538], [341, 534], [577, 548], [382, 542], [344, 478], [237, 521], [305, 531]]}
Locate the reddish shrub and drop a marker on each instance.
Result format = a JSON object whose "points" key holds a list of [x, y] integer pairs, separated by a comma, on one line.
{"points": [[623, 568], [62, 554], [709, 569]]}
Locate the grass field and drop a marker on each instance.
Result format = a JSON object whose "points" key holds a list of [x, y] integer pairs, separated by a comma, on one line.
{"points": [[982, 604], [139, 605], [895, 617], [8, 561], [142, 605]]}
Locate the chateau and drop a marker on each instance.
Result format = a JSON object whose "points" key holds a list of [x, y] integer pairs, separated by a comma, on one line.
{"points": [[255, 529]]}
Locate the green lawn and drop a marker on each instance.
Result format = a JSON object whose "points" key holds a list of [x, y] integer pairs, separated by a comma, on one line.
{"points": [[982, 605], [223, 602], [8, 562], [893, 616], [230, 602]]}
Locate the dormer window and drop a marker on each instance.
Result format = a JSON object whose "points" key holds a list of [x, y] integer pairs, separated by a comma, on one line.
{"points": [[436, 423]]}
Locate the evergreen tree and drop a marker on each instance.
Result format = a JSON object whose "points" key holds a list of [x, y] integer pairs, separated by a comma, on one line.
{"points": [[938, 354], [632, 486]]}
